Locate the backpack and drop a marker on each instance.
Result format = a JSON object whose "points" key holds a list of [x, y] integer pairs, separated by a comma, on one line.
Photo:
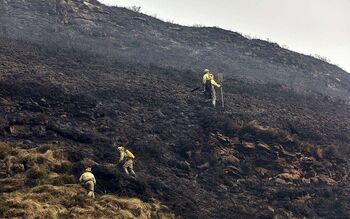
{"points": [[129, 154]]}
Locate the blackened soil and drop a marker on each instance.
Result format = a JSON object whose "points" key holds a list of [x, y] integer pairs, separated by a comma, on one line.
{"points": [[271, 152]]}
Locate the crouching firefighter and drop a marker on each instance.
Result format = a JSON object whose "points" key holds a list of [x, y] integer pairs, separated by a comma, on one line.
{"points": [[209, 85], [87, 179], [127, 159]]}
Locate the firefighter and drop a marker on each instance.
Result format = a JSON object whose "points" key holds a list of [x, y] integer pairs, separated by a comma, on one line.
{"points": [[209, 85], [126, 158]]}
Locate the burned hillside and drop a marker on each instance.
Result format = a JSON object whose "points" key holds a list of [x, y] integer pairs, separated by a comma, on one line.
{"points": [[264, 156], [77, 76], [119, 33]]}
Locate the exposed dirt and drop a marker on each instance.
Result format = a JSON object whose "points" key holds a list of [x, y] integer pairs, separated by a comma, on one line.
{"points": [[271, 153]]}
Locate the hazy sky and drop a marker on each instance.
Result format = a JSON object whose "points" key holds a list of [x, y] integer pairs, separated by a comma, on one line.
{"points": [[308, 26]]}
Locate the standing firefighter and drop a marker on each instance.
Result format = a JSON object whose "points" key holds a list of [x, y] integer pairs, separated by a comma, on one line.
{"points": [[87, 179], [127, 159], [209, 85]]}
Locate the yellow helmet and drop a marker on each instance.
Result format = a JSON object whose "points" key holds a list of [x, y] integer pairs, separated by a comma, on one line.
{"points": [[88, 169], [206, 70]]}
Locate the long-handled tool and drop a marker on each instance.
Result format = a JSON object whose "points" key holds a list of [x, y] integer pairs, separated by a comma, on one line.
{"points": [[221, 81], [193, 90], [222, 97]]}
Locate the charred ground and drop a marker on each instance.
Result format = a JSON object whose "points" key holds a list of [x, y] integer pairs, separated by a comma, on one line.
{"points": [[115, 32], [272, 152], [76, 75]]}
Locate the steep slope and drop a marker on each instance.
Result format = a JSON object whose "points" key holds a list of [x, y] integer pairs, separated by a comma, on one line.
{"points": [[126, 35], [38, 183], [291, 162]]}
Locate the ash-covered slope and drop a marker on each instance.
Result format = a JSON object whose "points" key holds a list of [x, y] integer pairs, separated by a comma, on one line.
{"points": [[127, 35], [291, 162]]}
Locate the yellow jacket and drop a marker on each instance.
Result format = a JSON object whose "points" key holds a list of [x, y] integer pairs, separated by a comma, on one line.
{"points": [[126, 154], [210, 77], [206, 77], [87, 176]]}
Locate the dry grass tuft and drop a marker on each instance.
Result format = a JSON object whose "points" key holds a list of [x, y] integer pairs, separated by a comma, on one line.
{"points": [[49, 201], [10, 184], [35, 175], [43, 149], [6, 150], [41, 186]]}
